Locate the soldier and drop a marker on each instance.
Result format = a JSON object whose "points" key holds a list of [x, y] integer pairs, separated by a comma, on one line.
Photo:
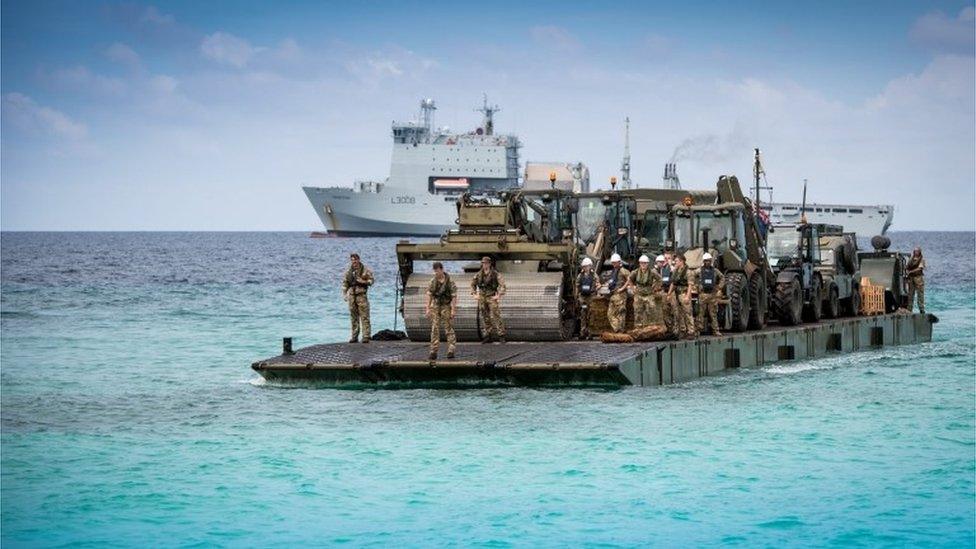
{"points": [[663, 266], [679, 296], [355, 284], [710, 285], [617, 310], [587, 284], [645, 282], [441, 309], [915, 271], [489, 287]]}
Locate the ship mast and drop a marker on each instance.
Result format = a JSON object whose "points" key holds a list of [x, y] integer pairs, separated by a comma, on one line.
{"points": [[759, 176], [489, 112], [625, 163], [427, 109]]}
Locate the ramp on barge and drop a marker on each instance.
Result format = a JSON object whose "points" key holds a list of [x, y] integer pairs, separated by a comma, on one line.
{"points": [[588, 363]]}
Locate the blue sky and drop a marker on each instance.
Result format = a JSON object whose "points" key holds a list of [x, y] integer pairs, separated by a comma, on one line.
{"points": [[211, 115]]}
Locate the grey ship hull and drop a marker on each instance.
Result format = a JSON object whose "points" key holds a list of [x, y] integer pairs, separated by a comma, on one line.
{"points": [[345, 212]]}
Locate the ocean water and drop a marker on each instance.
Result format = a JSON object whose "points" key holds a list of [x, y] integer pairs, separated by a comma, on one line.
{"points": [[130, 417]]}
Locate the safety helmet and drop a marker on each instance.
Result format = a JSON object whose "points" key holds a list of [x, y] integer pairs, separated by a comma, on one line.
{"points": [[706, 256], [615, 258], [660, 259], [587, 262], [644, 259]]}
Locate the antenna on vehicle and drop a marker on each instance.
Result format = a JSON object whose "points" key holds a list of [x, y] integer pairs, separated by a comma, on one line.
{"points": [[625, 163], [803, 205]]}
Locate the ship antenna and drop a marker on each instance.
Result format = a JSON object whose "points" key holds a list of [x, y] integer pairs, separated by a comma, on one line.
{"points": [[427, 108], [625, 163], [489, 111]]}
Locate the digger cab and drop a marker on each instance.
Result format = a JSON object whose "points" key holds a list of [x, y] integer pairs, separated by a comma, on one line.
{"points": [[719, 229]]}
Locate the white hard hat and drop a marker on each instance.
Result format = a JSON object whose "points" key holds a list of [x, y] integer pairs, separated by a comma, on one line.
{"points": [[644, 259], [587, 262], [659, 259], [706, 256], [615, 258]]}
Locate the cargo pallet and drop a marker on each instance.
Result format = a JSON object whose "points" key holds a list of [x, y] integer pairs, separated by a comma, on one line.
{"points": [[404, 364]]}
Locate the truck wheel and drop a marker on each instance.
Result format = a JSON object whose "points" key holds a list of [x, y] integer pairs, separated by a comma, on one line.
{"points": [[758, 302], [814, 310], [738, 291], [854, 303], [789, 302], [832, 305]]}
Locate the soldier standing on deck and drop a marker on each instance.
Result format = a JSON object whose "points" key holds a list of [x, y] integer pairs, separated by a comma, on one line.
{"points": [[441, 309], [915, 271], [710, 285], [355, 284], [645, 282], [663, 267], [587, 284], [680, 299], [617, 310], [489, 287]]}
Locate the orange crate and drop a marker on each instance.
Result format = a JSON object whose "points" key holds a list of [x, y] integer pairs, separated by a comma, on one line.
{"points": [[872, 298]]}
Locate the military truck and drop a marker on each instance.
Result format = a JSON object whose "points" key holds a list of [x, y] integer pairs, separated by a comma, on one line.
{"points": [[887, 269], [840, 270]]}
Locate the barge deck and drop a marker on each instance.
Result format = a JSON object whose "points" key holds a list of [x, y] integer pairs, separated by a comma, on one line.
{"points": [[587, 363]]}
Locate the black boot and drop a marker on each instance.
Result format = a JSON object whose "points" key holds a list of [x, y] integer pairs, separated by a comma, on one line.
{"points": [[432, 356]]}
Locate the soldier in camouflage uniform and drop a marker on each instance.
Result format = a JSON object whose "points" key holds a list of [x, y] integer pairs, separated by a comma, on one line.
{"points": [[355, 284], [617, 284], [645, 282], [709, 284], [664, 268], [441, 308], [587, 283], [679, 298], [489, 287], [915, 271]]}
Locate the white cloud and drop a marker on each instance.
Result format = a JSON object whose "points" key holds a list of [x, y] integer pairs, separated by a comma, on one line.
{"points": [[228, 49], [394, 63], [947, 83], [152, 15], [122, 54], [81, 79], [943, 33], [555, 38], [26, 114]]}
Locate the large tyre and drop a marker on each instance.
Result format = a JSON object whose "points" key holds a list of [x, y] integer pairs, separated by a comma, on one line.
{"points": [[832, 303], [758, 302], [814, 310], [853, 304], [789, 302], [737, 289]]}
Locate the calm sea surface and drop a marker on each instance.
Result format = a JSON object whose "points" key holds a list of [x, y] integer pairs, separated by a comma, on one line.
{"points": [[130, 417]]}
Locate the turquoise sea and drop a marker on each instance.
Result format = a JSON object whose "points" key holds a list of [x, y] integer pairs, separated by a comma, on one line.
{"points": [[130, 417]]}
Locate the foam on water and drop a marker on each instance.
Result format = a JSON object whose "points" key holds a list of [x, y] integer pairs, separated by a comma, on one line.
{"points": [[130, 416]]}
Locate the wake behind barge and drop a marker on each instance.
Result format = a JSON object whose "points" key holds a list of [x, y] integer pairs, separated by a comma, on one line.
{"points": [[403, 364]]}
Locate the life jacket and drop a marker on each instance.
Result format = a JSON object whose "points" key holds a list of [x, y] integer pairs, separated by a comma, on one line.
{"points": [[487, 284], [587, 281], [680, 278], [614, 275], [441, 291], [666, 277], [351, 281], [707, 275], [913, 264]]}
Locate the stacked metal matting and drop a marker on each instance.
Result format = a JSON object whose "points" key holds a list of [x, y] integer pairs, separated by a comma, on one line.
{"points": [[530, 307], [589, 363]]}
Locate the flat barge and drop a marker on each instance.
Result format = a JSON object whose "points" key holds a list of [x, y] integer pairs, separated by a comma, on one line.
{"points": [[399, 364]]}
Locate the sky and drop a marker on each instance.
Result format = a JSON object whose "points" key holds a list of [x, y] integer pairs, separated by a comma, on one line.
{"points": [[212, 115]]}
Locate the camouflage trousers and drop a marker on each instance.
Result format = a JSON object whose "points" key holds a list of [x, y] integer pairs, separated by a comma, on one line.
{"points": [[440, 317], [584, 303], [359, 315], [682, 315], [491, 317], [708, 313], [647, 310], [916, 286], [617, 312]]}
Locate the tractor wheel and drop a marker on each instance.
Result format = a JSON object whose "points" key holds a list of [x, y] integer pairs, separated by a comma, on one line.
{"points": [[832, 305], [814, 310], [737, 289], [758, 302], [789, 302]]}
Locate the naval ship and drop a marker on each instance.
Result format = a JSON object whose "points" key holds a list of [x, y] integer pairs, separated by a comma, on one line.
{"points": [[429, 170]]}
